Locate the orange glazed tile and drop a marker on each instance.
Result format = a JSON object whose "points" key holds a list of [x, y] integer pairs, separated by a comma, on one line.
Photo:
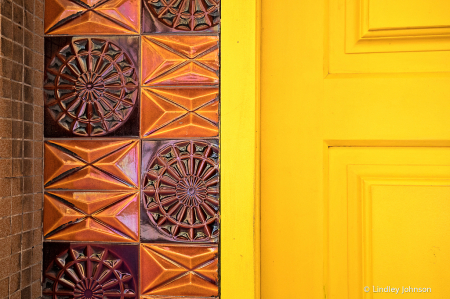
{"points": [[179, 113], [91, 216], [79, 17], [179, 270], [91, 165], [180, 60]]}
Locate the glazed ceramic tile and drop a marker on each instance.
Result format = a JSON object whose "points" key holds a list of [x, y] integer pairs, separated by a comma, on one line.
{"points": [[100, 271], [180, 191], [131, 151], [80, 17], [91, 216], [180, 60], [91, 86], [179, 270], [91, 165], [179, 112], [175, 297], [185, 16]]}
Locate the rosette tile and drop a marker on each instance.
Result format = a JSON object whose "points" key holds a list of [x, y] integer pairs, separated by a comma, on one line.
{"points": [[180, 192]]}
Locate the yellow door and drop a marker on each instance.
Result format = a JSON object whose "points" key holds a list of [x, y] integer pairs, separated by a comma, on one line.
{"points": [[355, 159]]}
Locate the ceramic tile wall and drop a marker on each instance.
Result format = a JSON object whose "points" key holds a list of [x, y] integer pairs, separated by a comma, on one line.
{"points": [[131, 153]]}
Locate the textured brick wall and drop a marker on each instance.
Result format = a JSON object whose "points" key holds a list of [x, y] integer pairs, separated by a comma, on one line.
{"points": [[21, 142]]}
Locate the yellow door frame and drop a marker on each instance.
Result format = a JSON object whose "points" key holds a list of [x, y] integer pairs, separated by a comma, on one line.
{"points": [[239, 242]]}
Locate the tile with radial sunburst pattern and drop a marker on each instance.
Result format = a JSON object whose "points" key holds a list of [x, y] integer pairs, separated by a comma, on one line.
{"points": [[181, 16], [88, 270], [180, 191], [91, 86]]}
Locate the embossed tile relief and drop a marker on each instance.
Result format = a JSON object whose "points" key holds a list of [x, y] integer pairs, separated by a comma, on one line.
{"points": [[180, 191], [91, 86], [91, 165], [84, 270], [91, 216], [185, 16], [79, 17], [131, 151], [179, 270], [179, 112], [180, 60]]}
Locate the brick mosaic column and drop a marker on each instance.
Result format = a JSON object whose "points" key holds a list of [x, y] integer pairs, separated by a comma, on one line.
{"points": [[131, 153], [21, 142]]}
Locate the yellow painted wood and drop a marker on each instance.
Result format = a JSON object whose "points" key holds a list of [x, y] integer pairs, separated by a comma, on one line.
{"points": [[239, 242], [348, 137], [401, 14]]}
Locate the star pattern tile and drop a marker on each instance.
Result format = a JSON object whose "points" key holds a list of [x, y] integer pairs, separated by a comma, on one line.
{"points": [[179, 270], [83, 17], [180, 112], [180, 60], [91, 165], [91, 216]]}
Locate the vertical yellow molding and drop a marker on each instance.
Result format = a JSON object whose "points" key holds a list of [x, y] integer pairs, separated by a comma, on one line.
{"points": [[240, 117]]}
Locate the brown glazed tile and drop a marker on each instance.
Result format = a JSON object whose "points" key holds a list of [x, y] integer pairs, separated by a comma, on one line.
{"points": [[179, 112], [91, 165], [179, 270], [91, 216], [105, 271], [180, 60], [180, 191], [188, 16], [92, 17], [91, 99]]}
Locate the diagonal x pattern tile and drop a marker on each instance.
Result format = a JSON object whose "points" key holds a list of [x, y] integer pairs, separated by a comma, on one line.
{"points": [[179, 270], [91, 216], [180, 60], [91, 165], [180, 112], [77, 17]]}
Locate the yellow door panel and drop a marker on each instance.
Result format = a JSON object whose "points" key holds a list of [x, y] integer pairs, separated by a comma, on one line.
{"points": [[405, 47], [388, 217], [405, 14], [355, 155]]}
